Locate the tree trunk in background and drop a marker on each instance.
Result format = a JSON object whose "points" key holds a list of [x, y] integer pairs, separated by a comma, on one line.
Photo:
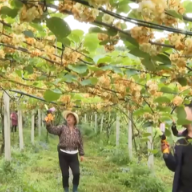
{"points": [[42, 118], [7, 130], [95, 122], [39, 122], [130, 135], [91, 122], [117, 131], [85, 118], [32, 126], [101, 126], [150, 147], [20, 125]]}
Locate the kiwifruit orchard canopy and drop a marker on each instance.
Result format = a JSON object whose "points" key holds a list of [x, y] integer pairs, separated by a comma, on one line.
{"points": [[150, 74]]}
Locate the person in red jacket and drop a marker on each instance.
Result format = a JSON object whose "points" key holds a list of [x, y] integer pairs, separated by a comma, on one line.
{"points": [[70, 144], [14, 121]]}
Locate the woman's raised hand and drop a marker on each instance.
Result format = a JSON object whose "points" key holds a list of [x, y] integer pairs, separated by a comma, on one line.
{"points": [[49, 118]]}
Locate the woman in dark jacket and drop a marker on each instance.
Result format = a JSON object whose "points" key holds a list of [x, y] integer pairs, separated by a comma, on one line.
{"points": [[70, 144], [180, 161]]}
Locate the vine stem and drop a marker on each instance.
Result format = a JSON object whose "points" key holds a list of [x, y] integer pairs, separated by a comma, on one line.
{"points": [[34, 97]]}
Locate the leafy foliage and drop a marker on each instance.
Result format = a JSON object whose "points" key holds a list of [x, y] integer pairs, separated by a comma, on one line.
{"points": [[41, 56]]}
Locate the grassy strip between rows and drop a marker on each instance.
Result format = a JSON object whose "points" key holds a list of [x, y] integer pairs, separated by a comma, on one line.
{"points": [[36, 169]]}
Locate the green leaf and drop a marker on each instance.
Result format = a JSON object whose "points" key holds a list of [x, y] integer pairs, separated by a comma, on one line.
{"points": [[123, 26], [163, 59], [96, 30], [131, 72], [58, 27], [91, 42], [148, 124], [51, 95], [164, 67], [139, 53], [144, 139], [29, 69], [106, 67], [154, 151], [78, 68], [16, 3], [165, 118], [146, 134], [162, 100], [42, 77], [65, 41], [167, 90], [129, 40], [123, 6], [104, 42], [181, 116], [182, 81], [69, 78], [149, 64], [94, 68], [39, 27], [76, 35], [188, 6], [174, 14], [112, 32], [135, 15], [167, 132], [106, 59], [9, 12], [28, 33], [90, 81], [61, 15], [19, 73], [117, 70], [163, 109], [97, 57], [141, 111]]}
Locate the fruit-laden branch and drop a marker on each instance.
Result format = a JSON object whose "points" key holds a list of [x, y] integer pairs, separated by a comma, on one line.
{"points": [[21, 84], [138, 21], [135, 21], [28, 44], [131, 20], [41, 99], [26, 51], [38, 39], [138, 70], [115, 28]]}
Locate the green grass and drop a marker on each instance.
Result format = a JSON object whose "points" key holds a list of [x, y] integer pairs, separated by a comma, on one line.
{"points": [[36, 169]]}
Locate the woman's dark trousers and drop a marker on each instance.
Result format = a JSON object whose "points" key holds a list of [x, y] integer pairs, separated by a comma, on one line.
{"points": [[67, 161]]}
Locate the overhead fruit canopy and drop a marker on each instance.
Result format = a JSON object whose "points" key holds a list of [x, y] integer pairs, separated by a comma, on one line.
{"points": [[150, 75]]}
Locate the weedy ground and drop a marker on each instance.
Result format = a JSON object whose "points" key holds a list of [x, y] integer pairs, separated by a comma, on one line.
{"points": [[105, 169]]}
